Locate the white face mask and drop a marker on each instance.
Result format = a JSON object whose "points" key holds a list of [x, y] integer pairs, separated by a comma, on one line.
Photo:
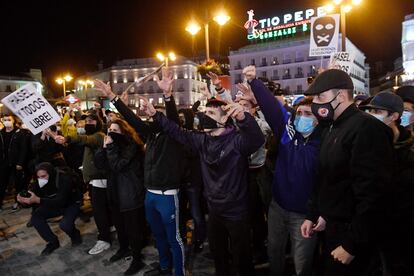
{"points": [[8, 124], [81, 130], [42, 182]]}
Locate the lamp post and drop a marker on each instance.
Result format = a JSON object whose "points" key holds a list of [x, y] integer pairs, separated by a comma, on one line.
{"points": [[171, 56], [62, 81], [344, 7], [193, 28], [85, 84]]}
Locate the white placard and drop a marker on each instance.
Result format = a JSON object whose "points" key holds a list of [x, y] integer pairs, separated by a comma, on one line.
{"points": [[343, 61], [324, 35], [32, 108]]}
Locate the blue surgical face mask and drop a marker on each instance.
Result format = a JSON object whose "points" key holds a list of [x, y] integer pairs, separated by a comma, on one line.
{"points": [[405, 119], [304, 125]]}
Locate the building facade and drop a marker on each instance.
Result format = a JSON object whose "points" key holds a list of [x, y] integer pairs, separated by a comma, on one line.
{"points": [[288, 62], [186, 81], [9, 84]]}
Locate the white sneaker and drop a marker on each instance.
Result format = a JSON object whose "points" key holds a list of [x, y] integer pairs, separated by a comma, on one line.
{"points": [[99, 247]]}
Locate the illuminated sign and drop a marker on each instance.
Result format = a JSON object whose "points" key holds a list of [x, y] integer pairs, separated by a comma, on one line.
{"points": [[279, 26]]}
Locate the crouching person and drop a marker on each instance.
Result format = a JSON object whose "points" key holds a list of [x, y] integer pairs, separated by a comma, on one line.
{"points": [[54, 194]]}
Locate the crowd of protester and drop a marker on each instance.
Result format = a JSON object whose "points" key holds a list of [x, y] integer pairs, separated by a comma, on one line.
{"points": [[327, 181]]}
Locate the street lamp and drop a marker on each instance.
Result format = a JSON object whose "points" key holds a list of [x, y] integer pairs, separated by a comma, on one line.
{"points": [[62, 81], [85, 83], [171, 56], [345, 6], [193, 28]]}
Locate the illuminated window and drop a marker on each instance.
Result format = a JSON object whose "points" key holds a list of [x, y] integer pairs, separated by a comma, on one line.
{"points": [[151, 100], [160, 100]]}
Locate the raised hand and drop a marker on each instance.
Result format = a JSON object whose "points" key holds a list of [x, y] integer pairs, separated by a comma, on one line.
{"points": [[247, 93], [204, 91], [59, 139], [105, 88], [249, 72], [107, 141], [146, 106], [214, 79], [235, 111], [165, 84]]}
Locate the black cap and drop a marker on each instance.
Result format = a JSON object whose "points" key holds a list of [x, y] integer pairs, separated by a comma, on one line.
{"points": [[386, 101], [406, 93], [330, 79]]}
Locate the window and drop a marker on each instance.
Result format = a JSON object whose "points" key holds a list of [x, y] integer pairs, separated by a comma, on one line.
{"points": [[264, 62], [264, 74], [160, 100], [275, 73], [151, 89], [151, 100], [275, 61], [252, 62]]}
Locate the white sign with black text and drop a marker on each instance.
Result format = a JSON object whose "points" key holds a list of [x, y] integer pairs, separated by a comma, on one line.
{"points": [[324, 35], [343, 61], [32, 108]]}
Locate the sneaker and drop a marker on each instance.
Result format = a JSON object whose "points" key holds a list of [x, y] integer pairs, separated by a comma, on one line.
{"points": [[99, 247], [15, 207], [77, 238], [50, 247], [136, 265], [121, 253]]}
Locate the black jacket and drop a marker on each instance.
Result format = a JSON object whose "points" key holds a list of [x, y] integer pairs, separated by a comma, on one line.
{"points": [[47, 150], [125, 164], [355, 171], [60, 191], [18, 148], [224, 163], [163, 169], [402, 211]]}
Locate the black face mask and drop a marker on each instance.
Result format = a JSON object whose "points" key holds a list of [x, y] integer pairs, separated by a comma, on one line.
{"points": [[206, 122], [90, 129], [324, 112], [118, 138]]}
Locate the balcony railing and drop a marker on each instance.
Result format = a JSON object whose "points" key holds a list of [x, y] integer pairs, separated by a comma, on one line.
{"points": [[263, 64], [237, 67], [287, 77], [275, 78], [299, 60], [287, 61], [299, 75], [313, 74]]}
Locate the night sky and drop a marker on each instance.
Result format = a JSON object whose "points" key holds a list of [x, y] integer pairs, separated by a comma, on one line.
{"points": [[74, 35]]}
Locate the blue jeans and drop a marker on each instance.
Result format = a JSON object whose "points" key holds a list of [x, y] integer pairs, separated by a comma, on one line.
{"points": [[162, 215], [283, 224], [67, 224]]}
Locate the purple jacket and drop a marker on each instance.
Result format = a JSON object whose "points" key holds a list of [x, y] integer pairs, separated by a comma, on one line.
{"points": [[224, 163]]}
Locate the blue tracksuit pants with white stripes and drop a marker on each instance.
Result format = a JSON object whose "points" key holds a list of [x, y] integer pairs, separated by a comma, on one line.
{"points": [[162, 215]]}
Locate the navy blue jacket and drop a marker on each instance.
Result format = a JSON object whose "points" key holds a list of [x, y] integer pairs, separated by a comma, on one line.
{"points": [[297, 160], [224, 163]]}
